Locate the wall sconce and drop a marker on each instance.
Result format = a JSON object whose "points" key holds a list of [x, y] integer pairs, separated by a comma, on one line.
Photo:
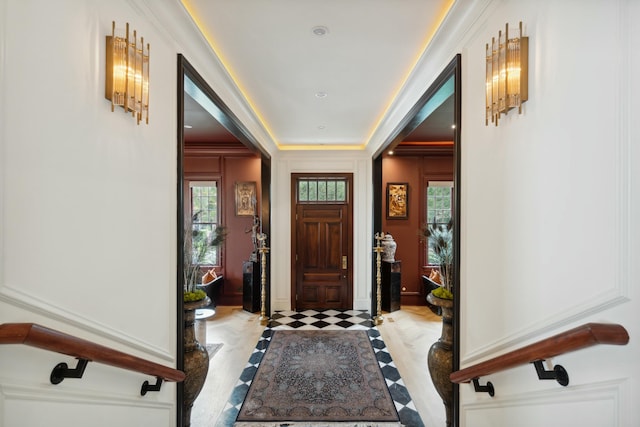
{"points": [[127, 74], [507, 63]]}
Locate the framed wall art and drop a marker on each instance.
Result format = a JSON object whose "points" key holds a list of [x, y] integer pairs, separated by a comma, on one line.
{"points": [[246, 198], [397, 200]]}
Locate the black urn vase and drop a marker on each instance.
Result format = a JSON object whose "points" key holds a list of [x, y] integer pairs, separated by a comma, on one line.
{"points": [[196, 360], [440, 358]]}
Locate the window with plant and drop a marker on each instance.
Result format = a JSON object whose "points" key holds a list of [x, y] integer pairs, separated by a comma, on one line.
{"points": [[437, 234], [204, 216], [203, 237], [438, 213]]}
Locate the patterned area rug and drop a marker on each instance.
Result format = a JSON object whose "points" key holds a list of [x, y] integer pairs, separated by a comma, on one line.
{"points": [[319, 375], [335, 320]]}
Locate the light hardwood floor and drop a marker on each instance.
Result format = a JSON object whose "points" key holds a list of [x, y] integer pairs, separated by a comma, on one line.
{"points": [[408, 334]]}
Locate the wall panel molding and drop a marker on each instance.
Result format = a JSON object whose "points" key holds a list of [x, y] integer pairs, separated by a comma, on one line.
{"points": [[611, 393], [28, 405], [59, 314], [616, 291], [12, 391], [623, 147], [559, 321]]}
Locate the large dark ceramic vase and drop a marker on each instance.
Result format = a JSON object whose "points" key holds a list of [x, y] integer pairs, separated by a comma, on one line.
{"points": [[196, 360], [440, 357]]}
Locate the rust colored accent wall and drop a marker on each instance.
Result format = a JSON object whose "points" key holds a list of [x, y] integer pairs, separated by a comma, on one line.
{"points": [[228, 169], [238, 245], [416, 171], [206, 165]]}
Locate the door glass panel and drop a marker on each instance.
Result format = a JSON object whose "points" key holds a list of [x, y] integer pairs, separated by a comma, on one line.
{"points": [[313, 191], [303, 191], [329, 190]]}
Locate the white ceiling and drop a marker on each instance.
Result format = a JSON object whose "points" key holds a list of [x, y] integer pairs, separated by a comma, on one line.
{"points": [[282, 68]]}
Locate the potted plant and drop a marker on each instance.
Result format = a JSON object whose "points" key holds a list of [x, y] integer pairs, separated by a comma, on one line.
{"points": [[439, 238], [197, 244]]}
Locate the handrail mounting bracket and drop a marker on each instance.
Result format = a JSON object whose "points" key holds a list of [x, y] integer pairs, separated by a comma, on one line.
{"points": [[559, 373], [487, 388], [62, 371], [151, 387]]}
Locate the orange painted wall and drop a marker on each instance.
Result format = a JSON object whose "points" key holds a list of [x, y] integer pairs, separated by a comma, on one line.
{"points": [[229, 169], [416, 171], [238, 245]]}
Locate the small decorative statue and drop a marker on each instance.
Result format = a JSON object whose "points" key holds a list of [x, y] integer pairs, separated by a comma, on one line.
{"points": [[255, 230]]}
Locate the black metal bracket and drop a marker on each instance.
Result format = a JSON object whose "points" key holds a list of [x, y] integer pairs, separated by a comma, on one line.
{"points": [[559, 373], [62, 371], [151, 387], [488, 388]]}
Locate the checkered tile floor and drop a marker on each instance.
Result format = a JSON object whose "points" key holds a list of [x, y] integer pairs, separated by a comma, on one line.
{"points": [[327, 320]]}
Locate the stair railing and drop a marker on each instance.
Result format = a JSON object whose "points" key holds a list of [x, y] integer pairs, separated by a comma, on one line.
{"points": [[587, 335], [85, 351]]}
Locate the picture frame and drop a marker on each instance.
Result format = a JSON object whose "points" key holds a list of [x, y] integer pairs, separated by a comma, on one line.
{"points": [[246, 198], [397, 200]]}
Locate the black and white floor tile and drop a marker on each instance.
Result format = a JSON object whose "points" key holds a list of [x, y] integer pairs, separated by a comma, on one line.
{"points": [[327, 320]]}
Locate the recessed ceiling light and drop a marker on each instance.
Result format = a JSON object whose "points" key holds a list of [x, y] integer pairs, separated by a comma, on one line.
{"points": [[390, 152], [320, 30], [188, 126], [453, 126], [321, 94]]}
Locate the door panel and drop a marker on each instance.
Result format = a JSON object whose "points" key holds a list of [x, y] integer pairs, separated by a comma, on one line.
{"points": [[322, 241]]}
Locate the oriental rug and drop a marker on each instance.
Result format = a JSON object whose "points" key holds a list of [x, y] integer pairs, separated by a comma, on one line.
{"points": [[335, 320], [319, 375]]}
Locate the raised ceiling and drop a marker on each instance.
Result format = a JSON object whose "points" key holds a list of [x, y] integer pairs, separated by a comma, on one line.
{"points": [[318, 74]]}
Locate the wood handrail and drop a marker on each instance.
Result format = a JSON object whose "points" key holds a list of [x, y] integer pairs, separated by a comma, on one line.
{"points": [[578, 338], [48, 339]]}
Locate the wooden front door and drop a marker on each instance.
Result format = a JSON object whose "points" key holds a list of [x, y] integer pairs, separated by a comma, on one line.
{"points": [[322, 265]]}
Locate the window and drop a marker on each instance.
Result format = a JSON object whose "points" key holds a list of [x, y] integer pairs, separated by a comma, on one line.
{"points": [[330, 190], [204, 217], [438, 210]]}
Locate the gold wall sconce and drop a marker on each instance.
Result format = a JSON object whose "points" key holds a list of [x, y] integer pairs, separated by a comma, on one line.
{"points": [[127, 74], [507, 63]]}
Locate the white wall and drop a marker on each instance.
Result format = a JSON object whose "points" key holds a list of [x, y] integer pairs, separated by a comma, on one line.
{"points": [[88, 213], [88, 197], [549, 200], [288, 162]]}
